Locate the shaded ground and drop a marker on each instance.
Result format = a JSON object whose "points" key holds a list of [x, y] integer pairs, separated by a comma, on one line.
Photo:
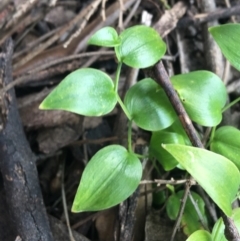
{"points": [[41, 172]]}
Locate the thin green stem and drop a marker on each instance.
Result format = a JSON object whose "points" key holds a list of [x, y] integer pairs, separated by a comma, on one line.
{"points": [[212, 136], [130, 136], [123, 107], [141, 156], [119, 67], [231, 104]]}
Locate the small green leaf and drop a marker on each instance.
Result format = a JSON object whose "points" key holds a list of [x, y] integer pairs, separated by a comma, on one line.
{"points": [[172, 207], [106, 37], [167, 160], [140, 47], [158, 197], [223, 143], [110, 177], [149, 106], [87, 92], [201, 235], [218, 229], [209, 169], [227, 37], [190, 219], [203, 95]]}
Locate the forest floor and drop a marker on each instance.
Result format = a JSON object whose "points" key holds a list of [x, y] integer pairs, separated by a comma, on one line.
{"points": [[47, 151]]}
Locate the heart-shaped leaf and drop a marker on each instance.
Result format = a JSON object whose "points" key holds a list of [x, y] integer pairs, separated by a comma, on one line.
{"points": [[140, 47], [86, 91], [223, 143], [149, 106], [201, 235], [167, 160], [227, 37], [190, 219], [110, 177], [106, 37], [209, 169], [203, 95]]}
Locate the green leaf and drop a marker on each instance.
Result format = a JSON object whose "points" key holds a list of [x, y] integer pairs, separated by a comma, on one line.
{"points": [[172, 207], [110, 177], [149, 106], [177, 127], [190, 219], [209, 170], [106, 37], [203, 95], [158, 197], [200, 235], [87, 92], [167, 160], [227, 38], [226, 142], [218, 229], [140, 47]]}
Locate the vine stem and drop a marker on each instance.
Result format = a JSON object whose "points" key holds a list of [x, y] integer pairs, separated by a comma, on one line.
{"points": [[119, 67], [123, 107], [230, 104], [130, 136], [125, 110], [211, 136]]}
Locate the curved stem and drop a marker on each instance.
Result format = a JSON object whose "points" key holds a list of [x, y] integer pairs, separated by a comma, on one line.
{"points": [[211, 136], [123, 107], [130, 136], [117, 76], [231, 104]]}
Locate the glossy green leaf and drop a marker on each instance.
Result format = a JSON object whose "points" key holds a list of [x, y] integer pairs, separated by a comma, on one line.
{"points": [[87, 92], [177, 127], [227, 38], [200, 235], [203, 95], [209, 169], [218, 229], [226, 142], [106, 37], [110, 177], [167, 160], [140, 47], [190, 219], [149, 106]]}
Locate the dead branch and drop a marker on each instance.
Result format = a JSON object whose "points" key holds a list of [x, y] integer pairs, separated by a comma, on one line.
{"points": [[17, 165]]}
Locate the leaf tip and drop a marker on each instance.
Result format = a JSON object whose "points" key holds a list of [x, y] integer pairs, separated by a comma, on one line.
{"points": [[44, 105], [210, 29], [41, 106], [74, 209]]}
